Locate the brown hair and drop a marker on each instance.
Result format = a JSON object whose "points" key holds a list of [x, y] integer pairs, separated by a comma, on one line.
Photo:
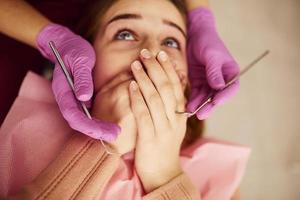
{"points": [[88, 27]]}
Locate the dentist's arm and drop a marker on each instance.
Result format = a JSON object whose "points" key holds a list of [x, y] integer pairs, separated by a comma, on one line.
{"points": [[192, 4], [22, 22], [19, 20]]}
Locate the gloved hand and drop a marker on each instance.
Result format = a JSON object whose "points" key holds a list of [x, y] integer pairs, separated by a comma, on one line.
{"points": [[210, 64], [79, 57]]}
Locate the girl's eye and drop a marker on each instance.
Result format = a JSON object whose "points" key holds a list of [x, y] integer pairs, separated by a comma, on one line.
{"points": [[124, 35], [173, 43]]}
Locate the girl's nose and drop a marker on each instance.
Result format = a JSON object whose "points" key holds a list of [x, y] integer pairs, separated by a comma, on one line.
{"points": [[152, 46]]}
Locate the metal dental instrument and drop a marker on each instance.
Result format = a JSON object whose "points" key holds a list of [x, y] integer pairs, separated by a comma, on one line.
{"points": [[211, 95], [70, 81]]}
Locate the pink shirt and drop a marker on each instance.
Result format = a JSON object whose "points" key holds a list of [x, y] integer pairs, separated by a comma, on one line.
{"points": [[34, 132]]}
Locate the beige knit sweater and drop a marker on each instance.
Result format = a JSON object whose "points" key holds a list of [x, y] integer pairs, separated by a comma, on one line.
{"points": [[82, 170]]}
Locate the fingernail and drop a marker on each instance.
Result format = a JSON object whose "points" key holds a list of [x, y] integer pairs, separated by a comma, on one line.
{"points": [[133, 86], [219, 82], [162, 56], [137, 65], [84, 97], [145, 53]]}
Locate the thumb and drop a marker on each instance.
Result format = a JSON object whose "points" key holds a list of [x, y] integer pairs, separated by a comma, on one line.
{"points": [[214, 75], [83, 83], [81, 67]]}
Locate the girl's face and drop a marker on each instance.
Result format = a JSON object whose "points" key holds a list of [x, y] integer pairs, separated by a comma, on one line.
{"points": [[132, 25]]}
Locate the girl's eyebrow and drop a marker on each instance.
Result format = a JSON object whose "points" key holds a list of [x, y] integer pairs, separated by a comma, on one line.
{"points": [[138, 16]]}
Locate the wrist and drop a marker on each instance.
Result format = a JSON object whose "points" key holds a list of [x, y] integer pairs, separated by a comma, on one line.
{"points": [[54, 32], [153, 182]]}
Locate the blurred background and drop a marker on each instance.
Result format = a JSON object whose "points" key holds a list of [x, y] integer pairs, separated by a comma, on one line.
{"points": [[265, 113]]}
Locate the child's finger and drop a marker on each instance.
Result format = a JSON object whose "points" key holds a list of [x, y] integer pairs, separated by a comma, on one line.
{"points": [[173, 78], [161, 82], [142, 115], [152, 97]]}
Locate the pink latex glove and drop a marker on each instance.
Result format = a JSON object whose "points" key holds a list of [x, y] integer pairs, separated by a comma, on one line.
{"points": [[210, 64], [79, 57]]}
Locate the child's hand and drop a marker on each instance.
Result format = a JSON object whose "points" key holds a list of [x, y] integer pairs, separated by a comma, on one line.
{"points": [[112, 104], [160, 129]]}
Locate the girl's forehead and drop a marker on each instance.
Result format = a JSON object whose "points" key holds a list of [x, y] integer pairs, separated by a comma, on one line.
{"points": [[150, 10]]}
